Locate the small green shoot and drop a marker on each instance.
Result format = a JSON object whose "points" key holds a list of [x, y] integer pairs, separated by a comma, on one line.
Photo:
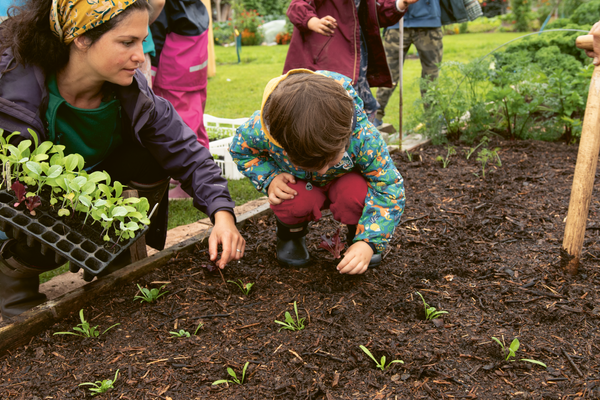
{"points": [[430, 312], [487, 155], [484, 141], [150, 295], [234, 377], [511, 351], [289, 323], [409, 155], [446, 161], [200, 325], [380, 364], [182, 333], [244, 287], [84, 329], [101, 386]]}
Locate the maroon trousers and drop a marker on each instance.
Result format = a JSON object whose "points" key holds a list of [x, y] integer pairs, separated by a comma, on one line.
{"points": [[345, 197]]}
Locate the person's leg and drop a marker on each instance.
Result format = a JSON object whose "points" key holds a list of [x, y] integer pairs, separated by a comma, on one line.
{"points": [[347, 195], [391, 43], [428, 42], [190, 106], [20, 268], [293, 217]]}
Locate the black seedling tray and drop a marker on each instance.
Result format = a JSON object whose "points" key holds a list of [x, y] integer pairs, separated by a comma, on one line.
{"points": [[56, 239]]}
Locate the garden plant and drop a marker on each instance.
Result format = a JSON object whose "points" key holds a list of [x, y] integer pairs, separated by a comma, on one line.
{"points": [[84, 329], [101, 386]]}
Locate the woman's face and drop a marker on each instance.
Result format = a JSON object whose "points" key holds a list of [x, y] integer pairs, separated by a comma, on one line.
{"points": [[118, 53]]}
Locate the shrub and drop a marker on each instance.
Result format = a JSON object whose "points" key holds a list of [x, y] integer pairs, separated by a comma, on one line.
{"points": [[521, 10], [587, 13], [248, 23]]}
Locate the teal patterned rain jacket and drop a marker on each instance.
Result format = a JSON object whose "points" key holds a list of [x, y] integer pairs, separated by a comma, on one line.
{"points": [[258, 158]]}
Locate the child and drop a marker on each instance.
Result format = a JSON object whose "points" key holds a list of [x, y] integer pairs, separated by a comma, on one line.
{"points": [[311, 147]]}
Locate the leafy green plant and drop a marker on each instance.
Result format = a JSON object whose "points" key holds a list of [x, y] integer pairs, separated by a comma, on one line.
{"points": [[446, 161], [290, 323], [150, 295], [234, 378], [181, 333], [380, 364], [487, 155], [101, 386], [510, 352], [84, 329], [430, 312], [244, 287]]}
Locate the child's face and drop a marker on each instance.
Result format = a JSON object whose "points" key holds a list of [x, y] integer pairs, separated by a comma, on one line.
{"points": [[329, 165]]}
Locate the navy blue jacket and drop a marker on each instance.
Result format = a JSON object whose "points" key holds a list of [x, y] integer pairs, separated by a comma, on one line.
{"points": [[422, 14]]}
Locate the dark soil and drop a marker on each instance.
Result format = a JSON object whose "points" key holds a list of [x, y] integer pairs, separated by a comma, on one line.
{"points": [[485, 250]]}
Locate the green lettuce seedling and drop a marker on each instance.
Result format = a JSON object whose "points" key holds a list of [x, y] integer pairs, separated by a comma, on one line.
{"points": [[101, 386], [380, 364], [181, 333], [234, 377], [511, 351], [84, 329], [150, 295], [446, 161], [289, 323], [486, 155], [244, 287], [430, 312]]}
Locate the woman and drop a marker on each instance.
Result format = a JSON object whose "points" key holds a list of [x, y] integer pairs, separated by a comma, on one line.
{"points": [[69, 71]]}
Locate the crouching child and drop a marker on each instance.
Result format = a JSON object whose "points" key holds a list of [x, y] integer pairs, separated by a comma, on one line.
{"points": [[311, 147]]}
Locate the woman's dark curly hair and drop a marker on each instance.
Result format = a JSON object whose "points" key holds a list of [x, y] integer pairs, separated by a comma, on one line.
{"points": [[27, 33]]}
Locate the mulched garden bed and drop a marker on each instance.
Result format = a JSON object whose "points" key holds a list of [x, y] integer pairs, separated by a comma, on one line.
{"points": [[485, 250]]}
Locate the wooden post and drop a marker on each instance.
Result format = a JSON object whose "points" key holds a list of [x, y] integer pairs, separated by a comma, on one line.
{"points": [[400, 85], [585, 169]]}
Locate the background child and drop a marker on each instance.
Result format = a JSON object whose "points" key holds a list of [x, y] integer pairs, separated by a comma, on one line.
{"points": [[311, 147]]}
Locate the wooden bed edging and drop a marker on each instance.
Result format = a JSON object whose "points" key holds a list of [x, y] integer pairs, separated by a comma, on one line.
{"points": [[25, 326]]}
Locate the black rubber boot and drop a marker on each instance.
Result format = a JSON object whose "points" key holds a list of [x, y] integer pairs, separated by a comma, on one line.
{"points": [[291, 245], [375, 258], [19, 282]]}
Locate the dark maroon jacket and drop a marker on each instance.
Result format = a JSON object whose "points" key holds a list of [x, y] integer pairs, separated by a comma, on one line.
{"points": [[341, 52], [148, 120]]}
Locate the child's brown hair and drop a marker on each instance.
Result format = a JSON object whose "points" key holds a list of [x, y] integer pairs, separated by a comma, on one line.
{"points": [[310, 115]]}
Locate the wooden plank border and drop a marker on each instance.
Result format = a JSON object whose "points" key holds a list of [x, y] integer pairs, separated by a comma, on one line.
{"points": [[21, 329]]}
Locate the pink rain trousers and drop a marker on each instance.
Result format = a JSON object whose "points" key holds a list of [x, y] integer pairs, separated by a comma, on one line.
{"points": [[181, 78], [345, 197]]}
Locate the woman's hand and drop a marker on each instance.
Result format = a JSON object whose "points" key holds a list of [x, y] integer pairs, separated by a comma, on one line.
{"points": [[279, 191], [227, 235], [595, 54], [356, 259], [324, 26]]}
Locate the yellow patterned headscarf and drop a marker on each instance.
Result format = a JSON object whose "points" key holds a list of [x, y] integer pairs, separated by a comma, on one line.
{"points": [[72, 18]]}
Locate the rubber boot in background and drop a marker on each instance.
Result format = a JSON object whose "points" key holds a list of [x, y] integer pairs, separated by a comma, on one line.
{"points": [[375, 258], [291, 245], [19, 280]]}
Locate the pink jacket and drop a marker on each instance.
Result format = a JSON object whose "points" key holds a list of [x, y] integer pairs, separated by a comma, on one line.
{"points": [[341, 52]]}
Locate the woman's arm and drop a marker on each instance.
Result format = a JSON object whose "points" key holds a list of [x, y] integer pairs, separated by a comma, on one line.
{"points": [[388, 11]]}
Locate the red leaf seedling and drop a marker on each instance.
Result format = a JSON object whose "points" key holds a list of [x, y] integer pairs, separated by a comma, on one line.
{"points": [[20, 191], [32, 202], [333, 245]]}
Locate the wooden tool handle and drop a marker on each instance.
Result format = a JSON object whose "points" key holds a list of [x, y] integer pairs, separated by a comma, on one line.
{"points": [[585, 42]]}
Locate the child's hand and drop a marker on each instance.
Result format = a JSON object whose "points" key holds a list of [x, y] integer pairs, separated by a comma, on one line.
{"points": [[324, 26], [356, 260], [279, 191]]}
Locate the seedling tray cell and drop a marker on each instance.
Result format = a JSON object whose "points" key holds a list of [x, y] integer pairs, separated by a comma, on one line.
{"points": [[56, 239]]}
